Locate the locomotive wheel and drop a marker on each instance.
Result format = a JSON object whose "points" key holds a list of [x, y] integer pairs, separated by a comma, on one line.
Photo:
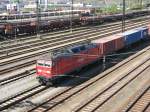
{"points": [[42, 82], [45, 82]]}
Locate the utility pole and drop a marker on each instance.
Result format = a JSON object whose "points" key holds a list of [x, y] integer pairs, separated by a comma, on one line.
{"points": [[123, 16], [45, 4], [38, 18], [141, 3], [71, 15]]}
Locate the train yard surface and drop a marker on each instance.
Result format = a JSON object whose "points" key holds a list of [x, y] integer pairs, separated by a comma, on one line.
{"points": [[123, 87], [14, 64], [120, 84], [126, 84]]}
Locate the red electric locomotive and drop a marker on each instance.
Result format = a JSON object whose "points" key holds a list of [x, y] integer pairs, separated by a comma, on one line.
{"points": [[52, 66]]}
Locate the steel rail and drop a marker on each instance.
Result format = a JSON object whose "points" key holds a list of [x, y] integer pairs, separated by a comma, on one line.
{"points": [[71, 91]]}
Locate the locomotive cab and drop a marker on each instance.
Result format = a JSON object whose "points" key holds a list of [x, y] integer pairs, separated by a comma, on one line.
{"points": [[44, 71]]}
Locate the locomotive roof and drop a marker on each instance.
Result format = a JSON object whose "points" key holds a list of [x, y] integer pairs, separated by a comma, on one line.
{"points": [[66, 52]]}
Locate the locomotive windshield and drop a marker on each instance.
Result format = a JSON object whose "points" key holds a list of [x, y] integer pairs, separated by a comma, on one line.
{"points": [[44, 63], [48, 63]]}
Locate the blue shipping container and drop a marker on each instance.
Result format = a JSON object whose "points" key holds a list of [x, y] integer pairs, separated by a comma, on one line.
{"points": [[132, 36], [144, 32]]}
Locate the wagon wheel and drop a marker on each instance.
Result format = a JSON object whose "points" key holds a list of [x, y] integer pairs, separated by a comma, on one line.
{"points": [[49, 83]]}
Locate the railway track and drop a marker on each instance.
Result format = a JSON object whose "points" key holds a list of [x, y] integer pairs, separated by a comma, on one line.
{"points": [[16, 77], [100, 99], [18, 98], [77, 96], [128, 96], [15, 42], [148, 108], [34, 44], [69, 92], [11, 68], [31, 39], [34, 37], [59, 44], [50, 39], [16, 67], [21, 96], [140, 103]]}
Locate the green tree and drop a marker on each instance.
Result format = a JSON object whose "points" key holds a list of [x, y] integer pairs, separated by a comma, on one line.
{"points": [[111, 9]]}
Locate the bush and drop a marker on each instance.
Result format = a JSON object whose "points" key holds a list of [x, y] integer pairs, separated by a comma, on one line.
{"points": [[136, 7], [111, 9]]}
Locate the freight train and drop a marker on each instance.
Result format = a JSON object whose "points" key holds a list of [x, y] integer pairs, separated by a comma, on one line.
{"points": [[27, 23], [58, 64], [54, 20]]}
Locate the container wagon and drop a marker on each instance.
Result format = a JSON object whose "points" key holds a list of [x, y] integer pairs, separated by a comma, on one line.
{"points": [[110, 44], [134, 35]]}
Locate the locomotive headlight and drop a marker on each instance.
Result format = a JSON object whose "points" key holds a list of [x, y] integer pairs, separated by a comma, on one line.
{"points": [[39, 70], [48, 72]]}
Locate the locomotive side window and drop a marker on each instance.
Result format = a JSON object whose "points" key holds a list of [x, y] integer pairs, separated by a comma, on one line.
{"points": [[82, 48], [44, 63], [47, 65], [75, 50]]}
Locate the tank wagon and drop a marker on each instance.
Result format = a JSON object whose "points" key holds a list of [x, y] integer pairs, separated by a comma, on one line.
{"points": [[60, 63]]}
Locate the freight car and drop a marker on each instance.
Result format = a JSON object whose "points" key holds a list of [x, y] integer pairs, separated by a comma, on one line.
{"points": [[60, 21], [58, 64], [89, 18], [7, 16], [16, 24]]}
